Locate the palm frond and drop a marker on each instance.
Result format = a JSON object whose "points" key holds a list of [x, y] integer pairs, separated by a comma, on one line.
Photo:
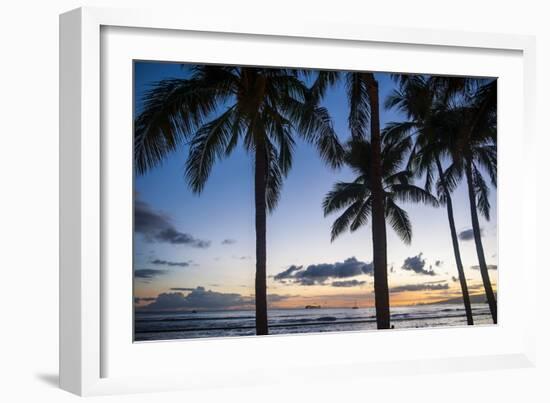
{"points": [[342, 223], [399, 221], [453, 90], [362, 215], [209, 143], [224, 78], [359, 106], [428, 181], [486, 156], [172, 111], [482, 193], [395, 99], [451, 177], [413, 98], [396, 131], [394, 154], [237, 129], [401, 177], [326, 140], [342, 195], [412, 194], [285, 85], [275, 176], [279, 129], [402, 78], [314, 124], [325, 79]]}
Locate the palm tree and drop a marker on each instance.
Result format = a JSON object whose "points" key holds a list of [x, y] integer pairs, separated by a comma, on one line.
{"points": [[356, 198], [364, 119], [421, 99], [475, 150], [220, 106], [379, 241]]}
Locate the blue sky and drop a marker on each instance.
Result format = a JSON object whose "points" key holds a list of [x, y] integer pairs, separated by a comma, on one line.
{"points": [[297, 232]]}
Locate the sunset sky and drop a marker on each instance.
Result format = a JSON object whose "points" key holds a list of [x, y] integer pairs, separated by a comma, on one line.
{"points": [[197, 251]]}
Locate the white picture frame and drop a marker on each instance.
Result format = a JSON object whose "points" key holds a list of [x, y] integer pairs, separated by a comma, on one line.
{"points": [[93, 331]]}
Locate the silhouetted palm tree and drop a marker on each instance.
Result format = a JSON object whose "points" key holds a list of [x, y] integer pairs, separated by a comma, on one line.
{"points": [[474, 150], [220, 106], [356, 198], [364, 120], [422, 100]]}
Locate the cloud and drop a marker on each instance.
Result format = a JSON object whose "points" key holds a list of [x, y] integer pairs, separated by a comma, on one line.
{"points": [[146, 220], [181, 289], [489, 267], [157, 227], [287, 273], [229, 241], [318, 274], [468, 234], [416, 264], [137, 300], [169, 263], [200, 298], [421, 287], [242, 257], [348, 283], [148, 274], [170, 235]]}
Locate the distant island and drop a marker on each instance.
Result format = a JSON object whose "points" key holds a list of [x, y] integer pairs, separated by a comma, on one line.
{"points": [[474, 299]]}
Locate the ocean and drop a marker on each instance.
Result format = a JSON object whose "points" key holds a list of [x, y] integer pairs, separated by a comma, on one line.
{"points": [[151, 326]]}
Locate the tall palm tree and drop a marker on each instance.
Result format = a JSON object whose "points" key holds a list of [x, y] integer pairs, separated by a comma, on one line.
{"points": [[220, 106], [474, 151], [422, 99], [364, 119], [356, 198], [379, 201]]}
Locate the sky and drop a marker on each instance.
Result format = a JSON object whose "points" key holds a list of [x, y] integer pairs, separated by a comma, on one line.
{"points": [[197, 251]]}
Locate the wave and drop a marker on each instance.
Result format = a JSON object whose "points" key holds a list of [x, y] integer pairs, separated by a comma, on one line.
{"points": [[318, 322], [326, 319], [146, 320]]}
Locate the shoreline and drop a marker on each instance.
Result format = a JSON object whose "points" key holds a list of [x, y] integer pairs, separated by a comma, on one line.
{"points": [[302, 324]]}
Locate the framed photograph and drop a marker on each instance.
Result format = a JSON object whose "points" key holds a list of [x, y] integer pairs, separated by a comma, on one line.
{"points": [[258, 193]]}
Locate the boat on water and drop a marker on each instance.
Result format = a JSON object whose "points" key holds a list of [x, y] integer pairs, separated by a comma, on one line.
{"points": [[313, 306], [355, 306]]}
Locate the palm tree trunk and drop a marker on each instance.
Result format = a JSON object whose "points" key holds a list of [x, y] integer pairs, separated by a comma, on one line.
{"points": [[260, 173], [479, 246], [456, 249], [381, 292]]}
